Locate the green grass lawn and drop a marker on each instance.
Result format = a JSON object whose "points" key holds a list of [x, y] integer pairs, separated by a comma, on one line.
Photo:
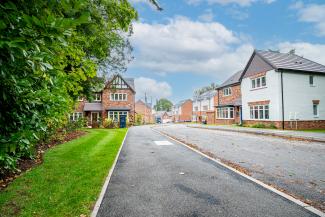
{"points": [[69, 180], [315, 131]]}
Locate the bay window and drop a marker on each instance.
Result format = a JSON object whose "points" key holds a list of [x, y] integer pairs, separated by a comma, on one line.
{"points": [[225, 113]]}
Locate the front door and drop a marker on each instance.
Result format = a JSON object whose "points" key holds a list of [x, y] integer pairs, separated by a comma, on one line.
{"points": [[94, 117], [122, 121]]}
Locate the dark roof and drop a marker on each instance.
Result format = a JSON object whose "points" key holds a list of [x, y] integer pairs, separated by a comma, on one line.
{"points": [[235, 78], [289, 61], [128, 81], [206, 95], [118, 108], [93, 106]]}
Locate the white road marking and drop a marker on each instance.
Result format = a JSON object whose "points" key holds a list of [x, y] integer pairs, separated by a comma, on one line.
{"points": [[164, 142]]}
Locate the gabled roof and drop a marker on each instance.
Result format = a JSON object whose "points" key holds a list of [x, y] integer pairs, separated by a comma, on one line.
{"points": [[207, 94], [180, 103], [234, 79], [128, 81], [146, 104], [287, 61]]}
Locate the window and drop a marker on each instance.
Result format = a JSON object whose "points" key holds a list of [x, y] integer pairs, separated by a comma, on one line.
{"points": [[115, 115], [196, 108], [260, 112], [225, 113], [227, 91], [315, 110], [119, 83], [118, 96], [80, 98], [205, 108], [97, 97], [311, 80], [75, 116], [259, 82]]}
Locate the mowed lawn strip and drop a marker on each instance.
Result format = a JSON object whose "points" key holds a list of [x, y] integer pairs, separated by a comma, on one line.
{"points": [[69, 180]]}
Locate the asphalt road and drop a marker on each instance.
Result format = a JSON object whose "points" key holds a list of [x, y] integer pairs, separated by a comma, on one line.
{"points": [[296, 166], [171, 180]]}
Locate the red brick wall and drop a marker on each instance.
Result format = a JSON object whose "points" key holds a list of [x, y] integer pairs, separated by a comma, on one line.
{"points": [[79, 107], [211, 119], [130, 103], [235, 95], [288, 125], [145, 111], [186, 114]]}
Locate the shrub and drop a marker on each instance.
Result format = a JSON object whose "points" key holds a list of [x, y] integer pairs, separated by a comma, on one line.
{"points": [[108, 123], [138, 119], [258, 125]]}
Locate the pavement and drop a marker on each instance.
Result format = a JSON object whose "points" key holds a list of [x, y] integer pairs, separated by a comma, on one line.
{"points": [[167, 179], [311, 136], [296, 166]]}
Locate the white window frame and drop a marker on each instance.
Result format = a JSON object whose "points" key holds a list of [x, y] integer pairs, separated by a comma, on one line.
{"points": [[225, 113], [80, 98], [312, 78], [258, 112], [97, 97], [315, 105], [226, 91], [258, 80], [75, 116], [119, 97], [115, 115]]}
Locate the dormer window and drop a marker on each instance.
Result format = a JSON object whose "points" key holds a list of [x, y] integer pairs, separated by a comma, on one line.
{"points": [[259, 82], [227, 91], [97, 97]]}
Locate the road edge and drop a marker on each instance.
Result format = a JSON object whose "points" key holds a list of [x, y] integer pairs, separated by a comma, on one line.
{"points": [[108, 178], [274, 190]]}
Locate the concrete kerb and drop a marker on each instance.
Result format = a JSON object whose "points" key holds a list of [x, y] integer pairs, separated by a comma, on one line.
{"points": [[104, 188], [274, 190], [311, 139]]}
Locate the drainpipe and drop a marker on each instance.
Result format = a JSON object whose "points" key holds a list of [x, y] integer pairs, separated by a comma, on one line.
{"points": [[282, 100]]}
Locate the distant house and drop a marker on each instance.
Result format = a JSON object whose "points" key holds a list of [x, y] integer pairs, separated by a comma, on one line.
{"points": [[115, 101], [204, 107], [145, 110], [182, 111], [283, 89], [163, 117], [228, 101]]}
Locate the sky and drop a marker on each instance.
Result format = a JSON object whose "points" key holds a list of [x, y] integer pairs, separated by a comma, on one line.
{"points": [[192, 43]]}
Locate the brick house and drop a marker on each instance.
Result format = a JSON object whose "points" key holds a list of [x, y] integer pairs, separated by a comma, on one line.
{"points": [[163, 117], [115, 101], [145, 110], [182, 111], [283, 89], [204, 107], [228, 101]]}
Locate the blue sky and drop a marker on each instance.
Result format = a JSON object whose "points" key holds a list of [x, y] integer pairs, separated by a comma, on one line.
{"points": [[192, 43]]}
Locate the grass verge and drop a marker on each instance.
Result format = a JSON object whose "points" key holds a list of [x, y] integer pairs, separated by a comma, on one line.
{"points": [[69, 180]]}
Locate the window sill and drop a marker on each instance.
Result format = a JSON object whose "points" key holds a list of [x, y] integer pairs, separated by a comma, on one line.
{"points": [[225, 118], [259, 119], [259, 88]]}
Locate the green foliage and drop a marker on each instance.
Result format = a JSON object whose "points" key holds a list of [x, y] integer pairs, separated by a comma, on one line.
{"points": [[50, 52], [138, 119], [163, 105], [267, 126]]}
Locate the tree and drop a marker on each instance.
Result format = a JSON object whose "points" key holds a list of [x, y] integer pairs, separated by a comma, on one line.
{"points": [[202, 90], [163, 105], [50, 52]]}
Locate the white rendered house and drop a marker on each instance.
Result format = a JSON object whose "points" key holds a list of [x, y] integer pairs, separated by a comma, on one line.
{"points": [[283, 89]]}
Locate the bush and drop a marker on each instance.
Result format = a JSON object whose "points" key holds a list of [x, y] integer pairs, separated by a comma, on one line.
{"points": [[138, 119], [258, 125], [108, 123]]}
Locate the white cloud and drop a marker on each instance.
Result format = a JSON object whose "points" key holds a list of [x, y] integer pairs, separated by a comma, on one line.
{"points": [[313, 13], [226, 2], [183, 45], [152, 88], [207, 16], [314, 52]]}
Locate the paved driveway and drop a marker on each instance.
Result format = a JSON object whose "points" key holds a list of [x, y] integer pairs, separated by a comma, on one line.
{"points": [[296, 166], [157, 179]]}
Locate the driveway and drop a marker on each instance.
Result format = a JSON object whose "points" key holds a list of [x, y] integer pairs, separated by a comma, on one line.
{"points": [[295, 166], [158, 177]]}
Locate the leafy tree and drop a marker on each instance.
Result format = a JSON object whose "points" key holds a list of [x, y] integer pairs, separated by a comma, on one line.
{"points": [[163, 105], [202, 90], [50, 52]]}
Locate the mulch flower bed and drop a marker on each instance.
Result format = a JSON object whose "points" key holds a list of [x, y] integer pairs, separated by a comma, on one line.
{"points": [[27, 164]]}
